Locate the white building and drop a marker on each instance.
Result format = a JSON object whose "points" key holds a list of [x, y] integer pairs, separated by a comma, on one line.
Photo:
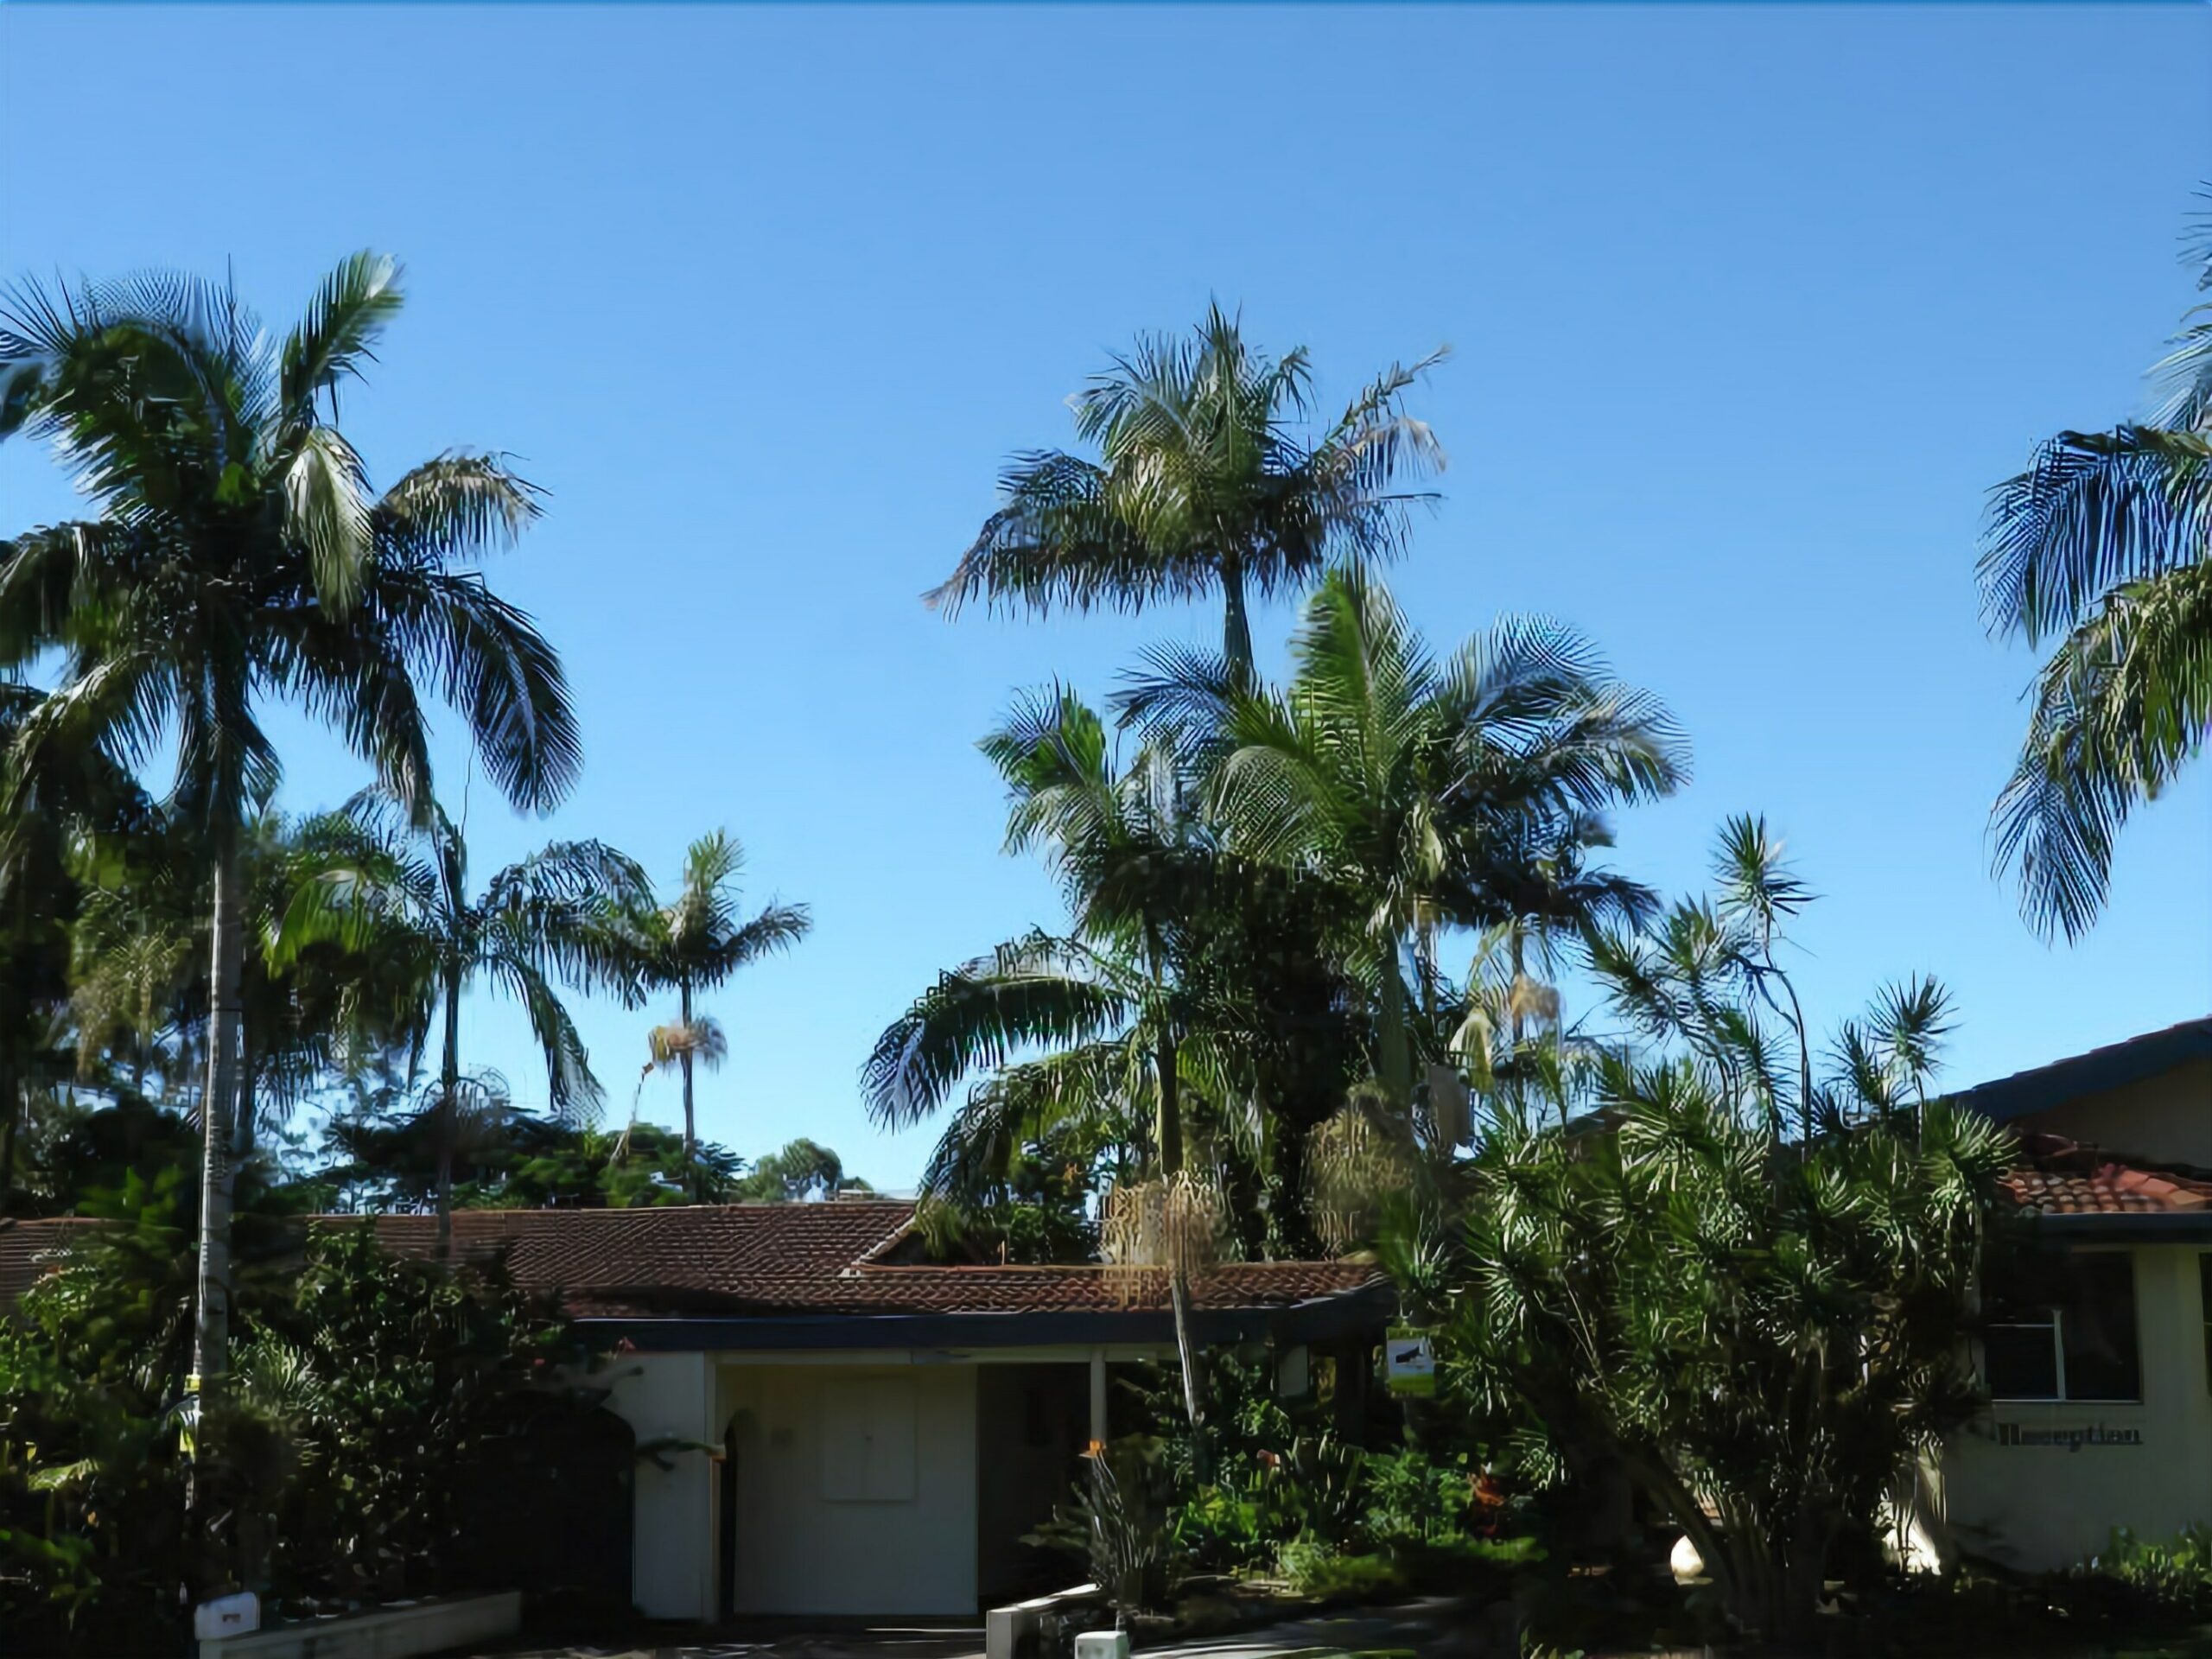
{"points": [[826, 1423], [2096, 1361]]}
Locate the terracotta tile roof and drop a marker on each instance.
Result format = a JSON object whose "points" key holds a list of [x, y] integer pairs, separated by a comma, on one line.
{"points": [[734, 1260], [2058, 1177]]}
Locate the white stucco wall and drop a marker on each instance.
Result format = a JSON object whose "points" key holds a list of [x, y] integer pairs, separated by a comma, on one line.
{"points": [[672, 1564], [817, 1535], [2050, 1506]]}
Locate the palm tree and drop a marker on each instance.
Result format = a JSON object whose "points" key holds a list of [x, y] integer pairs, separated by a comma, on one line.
{"points": [[1420, 788], [2105, 543], [1104, 1001], [1206, 482], [57, 799], [240, 556], [695, 942], [1117, 1005], [397, 892]]}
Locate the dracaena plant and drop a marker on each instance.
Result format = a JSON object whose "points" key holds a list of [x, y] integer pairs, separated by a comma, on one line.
{"points": [[1631, 1275]]}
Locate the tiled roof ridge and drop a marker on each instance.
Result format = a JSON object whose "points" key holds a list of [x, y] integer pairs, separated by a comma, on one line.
{"points": [[763, 1260], [2060, 1176]]}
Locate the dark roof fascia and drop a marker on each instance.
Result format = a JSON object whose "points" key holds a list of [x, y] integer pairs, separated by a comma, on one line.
{"points": [[2127, 1227], [1346, 1314], [2115, 1066]]}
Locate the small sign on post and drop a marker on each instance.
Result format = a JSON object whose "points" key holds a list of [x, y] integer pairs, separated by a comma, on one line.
{"points": [[1409, 1362]]}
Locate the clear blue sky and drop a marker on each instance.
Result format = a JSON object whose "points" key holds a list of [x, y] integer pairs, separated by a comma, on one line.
{"points": [[1749, 308]]}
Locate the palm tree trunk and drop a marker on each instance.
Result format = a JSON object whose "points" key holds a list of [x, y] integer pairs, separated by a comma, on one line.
{"points": [[691, 1123], [1187, 1353], [1396, 1041], [1237, 624], [243, 1127], [211, 1330], [1169, 1128], [448, 1111]]}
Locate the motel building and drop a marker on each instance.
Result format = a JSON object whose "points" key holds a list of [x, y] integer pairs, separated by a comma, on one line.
{"points": [[810, 1418], [2098, 1359]]}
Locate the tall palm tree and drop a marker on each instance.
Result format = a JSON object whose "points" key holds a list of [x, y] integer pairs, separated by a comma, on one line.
{"points": [[2104, 544], [695, 942], [1414, 786], [396, 891], [1207, 481], [240, 556]]}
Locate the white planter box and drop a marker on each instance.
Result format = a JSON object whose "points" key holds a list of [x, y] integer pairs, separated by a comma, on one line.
{"points": [[395, 1632], [1005, 1627]]}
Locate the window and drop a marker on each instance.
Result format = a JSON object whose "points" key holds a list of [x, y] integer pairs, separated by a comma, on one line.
{"points": [[2064, 1329]]}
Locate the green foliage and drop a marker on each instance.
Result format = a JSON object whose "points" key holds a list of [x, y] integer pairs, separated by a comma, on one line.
{"points": [[2177, 1576], [332, 1465], [1319, 1570], [693, 943], [1205, 482], [1266, 1488], [91, 1374], [1116, 1524], [803, 1169], [1638, 1287], [509, 1159], [386, 1377], [2104, 544]]}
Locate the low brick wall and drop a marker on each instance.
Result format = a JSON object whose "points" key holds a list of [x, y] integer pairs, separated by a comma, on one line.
{"points": [[397, 1632]]}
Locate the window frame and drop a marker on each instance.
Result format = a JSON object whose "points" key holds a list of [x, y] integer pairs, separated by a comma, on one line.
{"points": [[2056, 1325]]}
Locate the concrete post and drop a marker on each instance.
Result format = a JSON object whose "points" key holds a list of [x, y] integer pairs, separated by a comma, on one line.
{"points": [[1098, 1395]]}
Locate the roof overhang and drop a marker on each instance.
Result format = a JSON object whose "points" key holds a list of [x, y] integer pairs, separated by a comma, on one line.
{"points": [[2101, 1070], [2123, 1227]]}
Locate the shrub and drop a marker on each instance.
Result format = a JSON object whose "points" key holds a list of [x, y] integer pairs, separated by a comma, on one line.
{"points": [[325, 1465], [1315, 1568], [2178, 1575]]}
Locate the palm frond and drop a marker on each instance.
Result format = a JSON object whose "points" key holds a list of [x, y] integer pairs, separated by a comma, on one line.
{"points": [[2124, 702], [351, 307], [1036, 989], [2095, 510]]}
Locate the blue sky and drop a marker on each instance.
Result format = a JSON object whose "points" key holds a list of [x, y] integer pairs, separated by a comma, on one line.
{"points": [[1748, 310]]}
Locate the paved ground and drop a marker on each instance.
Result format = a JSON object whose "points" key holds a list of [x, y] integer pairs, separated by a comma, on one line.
{"points": [[964, 1642], [1423, 1628]]}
